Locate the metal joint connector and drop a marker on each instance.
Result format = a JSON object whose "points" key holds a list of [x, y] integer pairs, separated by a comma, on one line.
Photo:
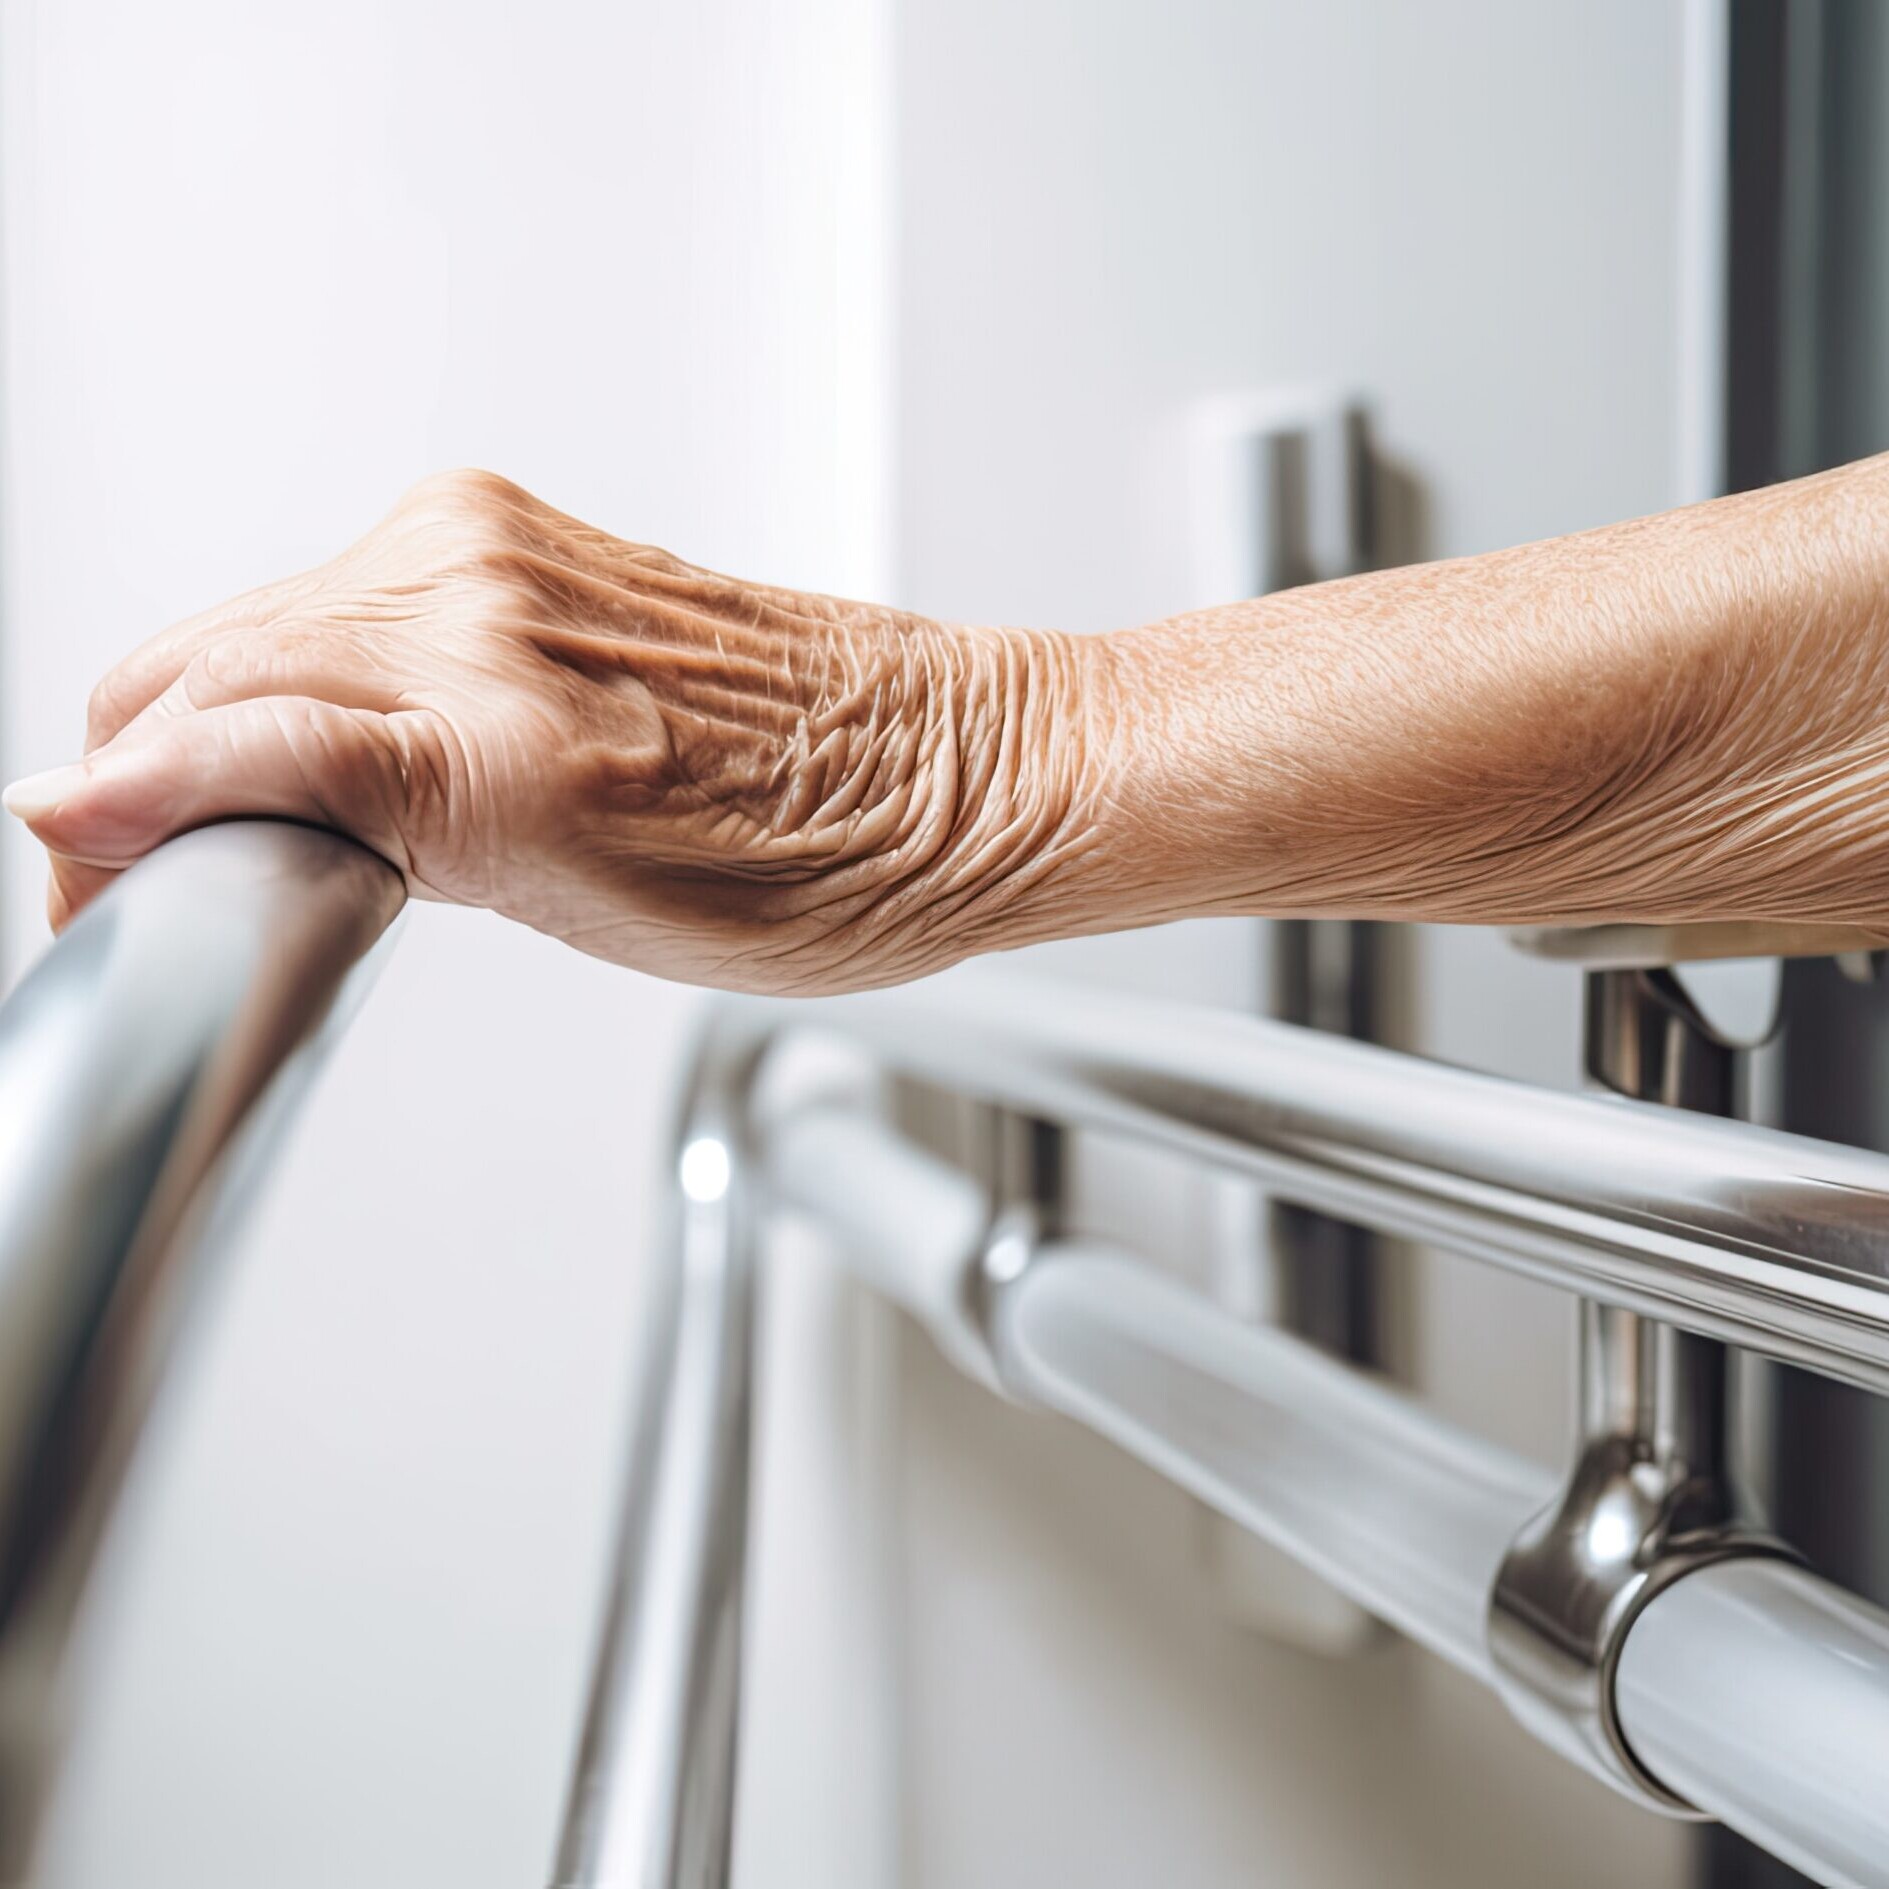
{"points": [[1651, 1499], [1654, 1493]]}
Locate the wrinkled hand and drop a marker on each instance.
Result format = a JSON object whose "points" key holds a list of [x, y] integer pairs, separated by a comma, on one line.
{"points": [[716, 781]]}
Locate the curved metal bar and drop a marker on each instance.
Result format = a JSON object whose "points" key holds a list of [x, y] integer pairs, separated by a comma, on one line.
{"points": [[145, 1064], [1771, 1241], [652, 1801]]}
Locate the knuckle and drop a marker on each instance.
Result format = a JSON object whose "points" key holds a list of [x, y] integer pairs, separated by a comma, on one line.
{"points": [[239, 661], [346, 765], [225, 663], [422, 758], [467, 485], [472, 524], [465, 497]]}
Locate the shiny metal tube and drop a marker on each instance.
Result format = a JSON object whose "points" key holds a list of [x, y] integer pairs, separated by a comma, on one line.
{"points": [[1654, 1491], [1753, 1688], [1771, 1241], [652, 1801], [1762, 1693], [1406, 1514], [1403, 1512], [911, 1224], [145, 1063]]}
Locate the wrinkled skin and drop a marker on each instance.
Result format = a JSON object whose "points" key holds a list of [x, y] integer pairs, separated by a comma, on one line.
{"points": [[711, 780], [1681, 718]]}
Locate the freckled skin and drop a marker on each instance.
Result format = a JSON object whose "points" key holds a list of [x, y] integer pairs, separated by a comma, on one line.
{"points": [[1685, 717]]}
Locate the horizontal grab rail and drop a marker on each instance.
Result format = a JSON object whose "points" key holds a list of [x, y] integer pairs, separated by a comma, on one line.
{"points": [[146, 1064], [1764, 1238], [1405, 1514], [1767, 1240], [1757, 1688]]}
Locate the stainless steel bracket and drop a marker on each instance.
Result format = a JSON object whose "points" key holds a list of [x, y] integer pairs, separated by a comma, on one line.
{"points": [[1654, 1493]]}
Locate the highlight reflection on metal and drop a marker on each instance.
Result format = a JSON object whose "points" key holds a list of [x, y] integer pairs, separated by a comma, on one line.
{"points": [[1654, 1494], [652, 1801], [1757, 1690], [139, 1064], [1412, 1517], [1772, 1241], [145, 1065], [1403, 1513], [1651, 1499]]}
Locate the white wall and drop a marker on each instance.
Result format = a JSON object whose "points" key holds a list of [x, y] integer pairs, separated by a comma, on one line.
{"points": [[264, 265]]}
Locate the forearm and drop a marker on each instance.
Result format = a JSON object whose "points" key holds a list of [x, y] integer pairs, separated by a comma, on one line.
{"points": [[1681, 718]]}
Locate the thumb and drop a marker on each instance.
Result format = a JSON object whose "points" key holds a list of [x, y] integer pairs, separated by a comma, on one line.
{"points": [[290, 757]]}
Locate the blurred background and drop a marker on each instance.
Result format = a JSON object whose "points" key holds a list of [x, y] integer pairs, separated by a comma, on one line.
{"points": [[933, 301]]}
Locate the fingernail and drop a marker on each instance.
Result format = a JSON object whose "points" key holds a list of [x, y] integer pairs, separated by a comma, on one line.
{"points": [[38, 794]]}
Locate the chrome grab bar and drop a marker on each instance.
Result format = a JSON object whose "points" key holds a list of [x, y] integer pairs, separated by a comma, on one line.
{"points": [[147, 1064], [1771, 1241], [652, 1797], [146, 1060]]}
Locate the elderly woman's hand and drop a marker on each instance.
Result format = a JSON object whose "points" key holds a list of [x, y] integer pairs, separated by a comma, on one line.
{"points": [[712, 780], [1680, 718]]}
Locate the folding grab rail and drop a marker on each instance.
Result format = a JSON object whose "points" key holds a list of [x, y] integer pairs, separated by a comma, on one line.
{"points": [[145, 1061]]}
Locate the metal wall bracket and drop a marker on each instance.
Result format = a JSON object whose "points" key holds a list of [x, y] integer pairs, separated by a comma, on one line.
{"points": [[1653, 1494]]}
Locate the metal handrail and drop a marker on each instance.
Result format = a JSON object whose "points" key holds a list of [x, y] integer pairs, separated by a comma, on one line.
{"points": [[652, 1796], [147, 1065], [1770, 1240], [147, 1060]]}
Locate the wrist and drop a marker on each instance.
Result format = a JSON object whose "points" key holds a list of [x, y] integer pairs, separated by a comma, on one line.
{"points": [[1079, 754], [1017, 720]]}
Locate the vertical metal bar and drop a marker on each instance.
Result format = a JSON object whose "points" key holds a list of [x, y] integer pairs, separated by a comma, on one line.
{"points": [[1327, 1274], [1317, 523], [1653, 1493], [652, 1803]]}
